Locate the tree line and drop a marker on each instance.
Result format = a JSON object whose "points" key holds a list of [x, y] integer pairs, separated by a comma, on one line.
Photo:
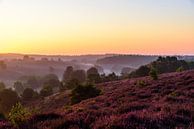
{"points": [[163, 65]]}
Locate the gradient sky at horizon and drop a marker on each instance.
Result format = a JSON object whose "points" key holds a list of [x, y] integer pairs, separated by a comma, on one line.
{"points": [[97, 26]]}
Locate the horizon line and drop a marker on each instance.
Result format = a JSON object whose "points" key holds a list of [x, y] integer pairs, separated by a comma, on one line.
{"points": [[93, 54]]}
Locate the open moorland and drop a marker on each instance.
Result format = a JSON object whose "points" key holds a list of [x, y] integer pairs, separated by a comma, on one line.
{"points": [[165, 103]]}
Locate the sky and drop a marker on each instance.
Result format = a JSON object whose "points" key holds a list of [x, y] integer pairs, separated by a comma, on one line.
{"points": [[97, 26]]}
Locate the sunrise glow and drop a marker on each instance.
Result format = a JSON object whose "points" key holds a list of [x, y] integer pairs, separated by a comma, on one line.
{"points": [[97, 26]]}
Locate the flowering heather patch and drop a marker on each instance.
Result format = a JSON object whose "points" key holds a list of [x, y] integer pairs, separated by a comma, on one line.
{"points": [[166, 103], [5, 125]]}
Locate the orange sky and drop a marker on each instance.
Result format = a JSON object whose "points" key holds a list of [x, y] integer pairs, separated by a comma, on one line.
{"points": [[98, 26]]}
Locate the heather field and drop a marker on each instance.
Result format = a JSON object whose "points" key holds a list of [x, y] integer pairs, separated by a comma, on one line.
{"points": [[166, 103], [97, 64]]}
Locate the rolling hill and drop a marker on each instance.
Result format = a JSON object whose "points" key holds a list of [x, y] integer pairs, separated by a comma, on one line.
{"points": [[127, 60], [166, 103]]}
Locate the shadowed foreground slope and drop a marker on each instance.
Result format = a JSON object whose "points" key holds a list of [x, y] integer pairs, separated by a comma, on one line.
{"points": [[166, 103]]}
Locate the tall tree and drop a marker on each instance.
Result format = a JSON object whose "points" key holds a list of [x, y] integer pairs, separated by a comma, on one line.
{"points": [[68, 74], [79, 75], [93, 75], [18, 86]]}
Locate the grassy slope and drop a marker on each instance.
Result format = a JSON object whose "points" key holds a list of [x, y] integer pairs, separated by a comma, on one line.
{"points": [[165, 103]]}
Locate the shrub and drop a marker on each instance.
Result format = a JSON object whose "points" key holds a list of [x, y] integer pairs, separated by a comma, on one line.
{"points": [[153, 73], [18, 114], [82, 92], [141, 83], [174, 94], [180, 69]]}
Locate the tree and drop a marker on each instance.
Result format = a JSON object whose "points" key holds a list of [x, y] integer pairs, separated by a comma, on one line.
{"points": [[46, 91], [169, 64], [8, 98], [82, 92], [44, 59], [79, 75], [93, 75], [18, 86], [171, 58], [68, 74], [33, 82], [99, 68], [143, 71], [2, 86], [153, 73], [161, 59], [29, 94], [49, 77], [109, 77], [71, 84], [26, 57], [51, 80]]}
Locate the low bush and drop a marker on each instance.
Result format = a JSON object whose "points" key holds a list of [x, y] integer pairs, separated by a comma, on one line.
{"points": [[141, 83], [154, 74], [18, 114], [180, 69]]}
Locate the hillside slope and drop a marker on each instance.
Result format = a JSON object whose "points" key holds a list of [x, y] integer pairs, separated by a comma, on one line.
{"points": [[166, 103], [127, 60]]}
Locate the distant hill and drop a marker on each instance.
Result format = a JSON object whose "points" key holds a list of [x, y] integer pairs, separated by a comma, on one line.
{"points": [[80, 58], [133, 103], [127, 60]]}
